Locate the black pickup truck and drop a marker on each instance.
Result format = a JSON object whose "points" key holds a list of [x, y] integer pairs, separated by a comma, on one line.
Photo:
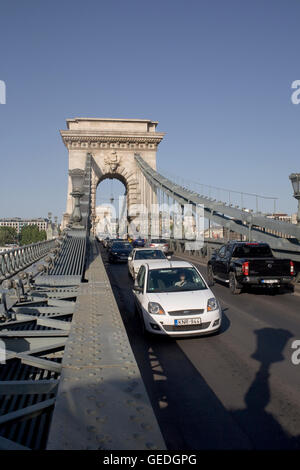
{"points": [[249, 264]]}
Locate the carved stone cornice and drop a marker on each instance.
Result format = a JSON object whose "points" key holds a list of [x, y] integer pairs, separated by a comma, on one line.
{"points": [[103, 139], [152, 138]]}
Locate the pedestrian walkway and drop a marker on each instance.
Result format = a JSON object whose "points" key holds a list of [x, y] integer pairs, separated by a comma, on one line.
{"points": [[101, 402]]}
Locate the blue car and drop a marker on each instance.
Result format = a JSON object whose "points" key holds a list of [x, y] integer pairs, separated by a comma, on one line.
{"points": [[119, 251], [138, 243]]}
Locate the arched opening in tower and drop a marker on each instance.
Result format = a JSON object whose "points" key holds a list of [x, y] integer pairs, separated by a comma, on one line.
{"points": [[111, 208]]}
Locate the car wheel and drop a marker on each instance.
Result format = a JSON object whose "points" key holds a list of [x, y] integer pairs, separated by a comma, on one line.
{"points": [[210, 275], [234, 286]]}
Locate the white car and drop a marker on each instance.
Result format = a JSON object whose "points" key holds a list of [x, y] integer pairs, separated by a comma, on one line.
{"points": [[160, 243], [141, 255], [175, 300]]}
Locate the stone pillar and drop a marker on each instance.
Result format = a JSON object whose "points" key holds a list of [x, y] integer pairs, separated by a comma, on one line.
{"points": [[113, 144]]}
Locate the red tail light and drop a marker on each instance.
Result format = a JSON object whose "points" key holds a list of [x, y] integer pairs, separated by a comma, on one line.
{"points": [[245, 268], [151, 244], [292, 269]]}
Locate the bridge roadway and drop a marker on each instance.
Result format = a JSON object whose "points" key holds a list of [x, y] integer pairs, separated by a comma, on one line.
{"points": [[236, 390]]}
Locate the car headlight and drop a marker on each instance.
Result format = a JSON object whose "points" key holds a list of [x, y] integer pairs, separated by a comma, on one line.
{"points": [[155, 309], [212, 304]]}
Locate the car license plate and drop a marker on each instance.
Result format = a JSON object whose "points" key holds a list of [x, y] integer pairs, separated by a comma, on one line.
{"points": [[188, 321], [269, 281]]}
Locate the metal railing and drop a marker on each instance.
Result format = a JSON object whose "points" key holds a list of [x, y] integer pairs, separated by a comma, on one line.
{"points": [[69, 265], [253, 226], [241, 199], [18, 259]]}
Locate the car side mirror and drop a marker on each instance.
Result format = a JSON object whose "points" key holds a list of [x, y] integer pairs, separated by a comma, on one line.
{"points": [[129, 258], [169, 257]]}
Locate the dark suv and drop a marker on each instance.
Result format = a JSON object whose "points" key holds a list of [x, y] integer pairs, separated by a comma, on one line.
{"points": [[249, 263]]}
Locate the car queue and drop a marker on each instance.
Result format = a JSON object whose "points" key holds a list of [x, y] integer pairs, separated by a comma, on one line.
{"points": [[171, 297]]}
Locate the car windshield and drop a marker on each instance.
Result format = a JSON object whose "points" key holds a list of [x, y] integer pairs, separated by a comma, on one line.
{"points": [[174, 280], [149, 254], [252, 251], [121, 246]]}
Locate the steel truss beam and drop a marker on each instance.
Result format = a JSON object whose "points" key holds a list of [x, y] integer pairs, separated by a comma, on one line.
{"points": [[28, 387], [27, 412], [39, 358], [7, 444], [236, 220]]}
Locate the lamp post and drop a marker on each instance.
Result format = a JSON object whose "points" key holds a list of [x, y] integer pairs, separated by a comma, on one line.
{"points": [[295, 180], [77, 176]]}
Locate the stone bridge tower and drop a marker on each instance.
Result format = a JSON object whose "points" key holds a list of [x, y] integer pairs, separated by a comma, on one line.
{"points": [[112, 144]]}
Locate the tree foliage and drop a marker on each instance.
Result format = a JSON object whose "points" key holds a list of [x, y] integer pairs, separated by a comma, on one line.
{"points": [[8, 235], [31, 234]]}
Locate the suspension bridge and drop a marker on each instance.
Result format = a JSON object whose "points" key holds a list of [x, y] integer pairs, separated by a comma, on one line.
{"points": [[73, 376]]}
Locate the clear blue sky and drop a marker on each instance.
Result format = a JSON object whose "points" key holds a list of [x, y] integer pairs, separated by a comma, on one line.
{"points": [[216, 75]]}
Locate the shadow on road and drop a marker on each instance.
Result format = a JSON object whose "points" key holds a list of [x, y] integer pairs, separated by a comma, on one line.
{"points": [[262, 290], [263, 429], [188, 411]]}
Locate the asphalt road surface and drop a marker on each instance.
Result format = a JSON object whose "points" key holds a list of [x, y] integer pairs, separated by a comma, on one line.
{"points": [[235, 390]]}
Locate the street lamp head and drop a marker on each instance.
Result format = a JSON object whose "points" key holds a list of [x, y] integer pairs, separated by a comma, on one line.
{"points": [[77, 176], [295, 180]]}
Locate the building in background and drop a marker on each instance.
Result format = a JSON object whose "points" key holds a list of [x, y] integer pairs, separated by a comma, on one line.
{"points": [[19, 223], [291, 219], [106, 223], [46, 224], [281, 216]]}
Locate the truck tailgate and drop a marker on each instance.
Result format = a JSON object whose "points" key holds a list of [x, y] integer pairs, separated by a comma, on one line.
{"points": [[269, 267]]}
